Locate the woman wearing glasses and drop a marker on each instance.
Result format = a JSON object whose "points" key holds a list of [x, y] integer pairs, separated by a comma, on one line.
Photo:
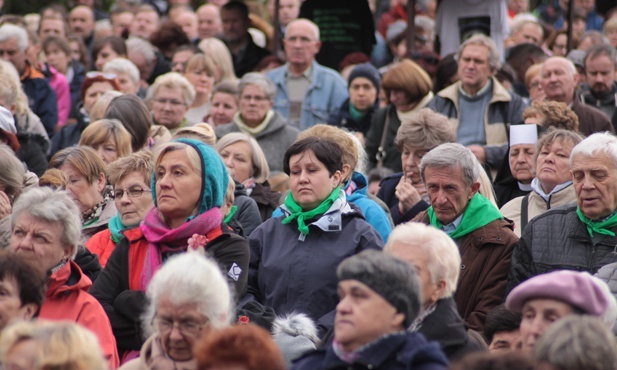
{"points": [[170, 98], [188, 187]]}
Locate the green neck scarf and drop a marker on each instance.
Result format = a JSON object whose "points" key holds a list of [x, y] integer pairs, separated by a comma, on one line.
{"points": [[232, 212], [601, 227], [301, 216], [355, 113], [479, 212], [116, 227]]}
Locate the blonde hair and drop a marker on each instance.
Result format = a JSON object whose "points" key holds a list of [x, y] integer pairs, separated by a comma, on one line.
{"points": [[221, 57], [10, 74], [202, 132], [202, 62], [97, 133], [172, 80], [261, 169]]}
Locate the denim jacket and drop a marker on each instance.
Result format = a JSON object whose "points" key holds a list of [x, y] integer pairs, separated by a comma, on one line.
{"points": [[324, 96]]}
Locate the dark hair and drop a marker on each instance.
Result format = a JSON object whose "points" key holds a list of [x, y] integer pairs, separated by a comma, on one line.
{"points": [[599, 50], [117, 44], [29, 278], [356, 57], [514, 360], [524, 51], [500, 319], [446, 69], [60, 42], [237, 5], [84, 58], [168, 37], [327, 152], [134, 115], [187, 47]]}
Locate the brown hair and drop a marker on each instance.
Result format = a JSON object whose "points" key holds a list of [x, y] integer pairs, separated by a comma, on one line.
{"points": [[141, 161], [337, 135], [83, 158], [425, 129], [54, 178], [408, 77], [555, 114], [100, 131]]}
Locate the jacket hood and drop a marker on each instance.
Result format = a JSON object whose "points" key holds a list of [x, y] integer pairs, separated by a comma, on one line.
{"points": [[67, 279], [361, 183]]}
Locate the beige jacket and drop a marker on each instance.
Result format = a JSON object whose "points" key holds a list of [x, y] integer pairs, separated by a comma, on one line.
{"points": [[153, 357]]}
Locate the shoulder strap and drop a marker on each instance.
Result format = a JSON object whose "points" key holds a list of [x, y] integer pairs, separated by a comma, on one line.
{"points": [[381, 152], [524, 212]]}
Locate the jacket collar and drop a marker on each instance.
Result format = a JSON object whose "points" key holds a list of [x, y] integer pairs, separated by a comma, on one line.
{"points": [[68, 278], [499, 92]]}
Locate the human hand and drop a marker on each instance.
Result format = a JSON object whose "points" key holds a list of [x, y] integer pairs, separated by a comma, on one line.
{"points": [[479, 152], [408, 194]]}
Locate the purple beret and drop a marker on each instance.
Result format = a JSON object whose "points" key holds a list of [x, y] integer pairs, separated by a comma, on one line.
{"points": [[577, 289]]}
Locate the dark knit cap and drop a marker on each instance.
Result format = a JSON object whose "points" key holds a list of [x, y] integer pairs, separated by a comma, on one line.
{"points": [[393, 279], [365, 70]]}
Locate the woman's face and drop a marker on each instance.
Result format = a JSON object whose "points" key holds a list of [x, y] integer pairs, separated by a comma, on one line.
{"points": [[560, 47], [133, 198], [254, 105], [238, 159], [85, 194], [553, 164], [411, 158], [201, 80], [169, 107], [309, 180], [57, 58], [521, 162], [400, 100], [179, 326], [223, 108], [10, 303], [362, 93], [178, 186], [39, 241], [127, 86], [75, 51], [94, 92], [105, 55], [538, 314], [108, 151]]}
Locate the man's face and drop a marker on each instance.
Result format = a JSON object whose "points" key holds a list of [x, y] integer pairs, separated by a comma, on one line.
{"points": [[51, 27], [81, 21], [530, 32], [473, 68], [208, 21], [595, 183], [504, 341], [10, 51], [188, 22], [300, 44], [235, 25], [121, 22], [558, 80], [600, 75], [448, 192], [145, 24]]}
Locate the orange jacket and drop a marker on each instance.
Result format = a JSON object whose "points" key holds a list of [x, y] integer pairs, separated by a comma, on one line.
{"points": [[101, 245], [67, 298]]}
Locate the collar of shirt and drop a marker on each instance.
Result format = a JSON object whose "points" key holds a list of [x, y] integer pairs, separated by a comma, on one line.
{"points": [[480, 92], [449, 228], [308, 74]]}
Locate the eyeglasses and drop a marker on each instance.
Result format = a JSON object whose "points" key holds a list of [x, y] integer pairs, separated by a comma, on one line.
{"points": [[189, 327], [133, 192], [172, 102], [108, 76]]}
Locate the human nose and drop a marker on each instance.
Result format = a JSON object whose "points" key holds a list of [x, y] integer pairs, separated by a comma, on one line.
{"points": [[343, 305], [175, 333], [163, 181], [228, 162], [521, 158]]}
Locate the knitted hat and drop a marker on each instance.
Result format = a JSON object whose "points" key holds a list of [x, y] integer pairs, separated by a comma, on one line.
{"points": [[7, 129], [393, 279], [366, 70], [578, 289], [214, 176]]}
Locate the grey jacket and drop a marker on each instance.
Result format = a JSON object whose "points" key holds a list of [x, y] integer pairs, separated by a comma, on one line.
{"points": [[274, 140], [558, 240]]}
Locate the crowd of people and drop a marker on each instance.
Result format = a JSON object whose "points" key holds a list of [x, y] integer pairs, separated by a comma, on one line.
{"points": [[234, 186]]}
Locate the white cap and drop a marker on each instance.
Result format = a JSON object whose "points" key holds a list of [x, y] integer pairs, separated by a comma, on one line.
{"points": [[523, 134]]}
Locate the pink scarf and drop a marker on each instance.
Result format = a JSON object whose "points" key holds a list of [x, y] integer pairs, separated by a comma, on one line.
{"points": [[162, 239]]}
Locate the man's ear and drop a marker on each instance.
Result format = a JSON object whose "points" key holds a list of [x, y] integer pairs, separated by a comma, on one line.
{"points": [[475, 187]]}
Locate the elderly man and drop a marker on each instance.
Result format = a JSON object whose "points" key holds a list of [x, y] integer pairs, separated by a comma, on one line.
{"points": [[450, 173], [41, 97], [52, 26], [121, 20], [558, 79], [437, 261], [479, 106], [379, 299], [601, 88], [580, 236], [527, 30], [306, 92], [81, 23], [150, 62], [246, 54], [208, 21], [146, 21]]}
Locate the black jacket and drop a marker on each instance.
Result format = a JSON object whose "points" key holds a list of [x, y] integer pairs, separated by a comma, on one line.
{"points": [[266, 199], [248, 58], [387, 187], [68, 135], [392, 158], [343, 119]]}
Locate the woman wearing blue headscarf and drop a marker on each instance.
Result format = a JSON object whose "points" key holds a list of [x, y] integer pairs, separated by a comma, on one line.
{"points": [[188, 187]]}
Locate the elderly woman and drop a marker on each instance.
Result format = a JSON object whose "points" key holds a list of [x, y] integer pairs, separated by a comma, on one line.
{"points": [[189, 291], [256, 118], [46, 230], [408, 89], [294, 257], [169, 98], [130, 178], [247, 164], [544, 299], [223, 104], [552, 185], [437, 261], [11, 185], [202, 74], [188, 187], [532, 83], [87, 187], [404, 192], [108, 138], [127, 74], [95, 84], [379, 297]]}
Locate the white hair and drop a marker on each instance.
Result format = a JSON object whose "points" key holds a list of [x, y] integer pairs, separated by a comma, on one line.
{"points": [[312, 24], [191, 277], [260, 80], [122, 65], [142, 47], [172, 80], [521, 19], [13, 32], [600, 143], [444, 258], [452, 155]]}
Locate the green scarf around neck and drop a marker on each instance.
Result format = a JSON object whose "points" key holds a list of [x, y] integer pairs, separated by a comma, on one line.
{"points": [[479, 212], [232, 212], [355, 113], [601, 227], [301, 216]]}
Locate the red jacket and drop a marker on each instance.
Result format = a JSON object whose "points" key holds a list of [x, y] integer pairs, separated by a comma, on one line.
{"points": [[67, 298], [101, 245]]}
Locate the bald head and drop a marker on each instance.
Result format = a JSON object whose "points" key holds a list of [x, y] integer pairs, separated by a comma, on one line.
{"points": [[81, 21], [208, 21], [305, 26], [559, 78]]}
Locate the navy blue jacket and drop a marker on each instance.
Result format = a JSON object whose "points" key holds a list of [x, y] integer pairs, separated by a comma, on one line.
{"points": [[403, 350], [41, 98]]}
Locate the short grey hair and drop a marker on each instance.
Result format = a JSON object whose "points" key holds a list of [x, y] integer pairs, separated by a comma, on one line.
{"points": [[451, 155], [122, 65], [601, 143], [577, 342], [13, 32], [142, 47], [444, 257], [260, 80], [11, 173], [427, 24], [48, 205], [191, 277], [172, 80], [480, 39], [261, 169], [313, 25]]}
